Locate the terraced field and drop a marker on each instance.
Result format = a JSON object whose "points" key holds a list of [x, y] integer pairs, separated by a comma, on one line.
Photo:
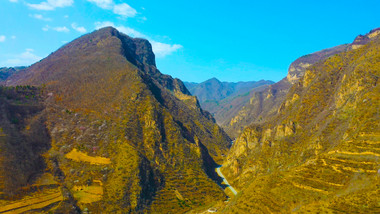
{"points": [[47, 195], [80, 156], [32, 203], [344, 180], [88, 194], [175, 196], [334, 171]]}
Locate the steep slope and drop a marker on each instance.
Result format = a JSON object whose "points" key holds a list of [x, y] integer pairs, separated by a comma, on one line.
{"points": [[320, 153], [265, 104], [24, 138], [224, 99], [124, 137]]}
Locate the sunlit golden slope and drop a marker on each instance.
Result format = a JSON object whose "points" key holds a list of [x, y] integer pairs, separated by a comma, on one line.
{"points": [[321, 152]]}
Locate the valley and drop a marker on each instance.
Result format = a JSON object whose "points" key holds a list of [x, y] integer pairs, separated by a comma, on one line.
{"points": [[95, 127]]}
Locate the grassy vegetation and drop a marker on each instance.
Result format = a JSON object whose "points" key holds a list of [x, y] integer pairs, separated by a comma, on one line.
{"points": [[320, 153], [114, 118]]}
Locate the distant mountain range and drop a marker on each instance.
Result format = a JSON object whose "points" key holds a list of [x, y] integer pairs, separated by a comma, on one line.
{"points": [[224, 99], [7, 72]]}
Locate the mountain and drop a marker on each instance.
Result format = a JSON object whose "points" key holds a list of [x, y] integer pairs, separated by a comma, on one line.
{"points": [[319, 152], [224, 99], [7, 72], [265, 104], [215, 90], [117, 136]]}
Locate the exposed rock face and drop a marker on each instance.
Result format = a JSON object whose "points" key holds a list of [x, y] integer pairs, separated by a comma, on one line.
{"points": [[297, 68], [224, 99], [362, 40], [319, 153], [265, 104], [124, 137]]}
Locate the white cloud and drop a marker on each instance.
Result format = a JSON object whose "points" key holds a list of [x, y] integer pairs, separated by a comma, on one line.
{"points": [[25, 58], [2, 38], [122, 9], [61, 29], [66, 16], [160, 49], [51, 4], [77, 28], [14, 1], [105, 4], [13, 37], [40, 17]]}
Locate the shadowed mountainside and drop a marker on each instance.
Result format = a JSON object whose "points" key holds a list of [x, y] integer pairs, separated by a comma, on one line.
{"points": [[224, 99], [124, 137], [215, 90]]}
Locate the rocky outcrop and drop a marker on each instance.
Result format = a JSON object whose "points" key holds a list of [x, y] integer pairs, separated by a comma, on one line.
{"points": [[318, 153], [364, 39], [265, 104]]}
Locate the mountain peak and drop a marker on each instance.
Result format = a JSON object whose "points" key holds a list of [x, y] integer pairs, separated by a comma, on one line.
{"points": [[110, 102], [101, 45], [214, 79], [136, 50]]}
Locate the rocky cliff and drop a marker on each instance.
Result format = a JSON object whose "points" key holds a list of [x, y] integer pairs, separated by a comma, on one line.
{"points": [[265, 104], [320, 151]]}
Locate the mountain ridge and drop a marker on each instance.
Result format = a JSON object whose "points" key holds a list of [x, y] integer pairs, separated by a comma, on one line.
{"points": [[124, 137], [265, 104], [319, 152]]}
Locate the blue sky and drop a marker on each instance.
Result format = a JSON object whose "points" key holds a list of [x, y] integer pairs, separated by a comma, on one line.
{"points": [[193, 40]]}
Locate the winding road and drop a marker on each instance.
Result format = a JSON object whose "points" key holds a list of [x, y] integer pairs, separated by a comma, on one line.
{"points": [[225, 181]]}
